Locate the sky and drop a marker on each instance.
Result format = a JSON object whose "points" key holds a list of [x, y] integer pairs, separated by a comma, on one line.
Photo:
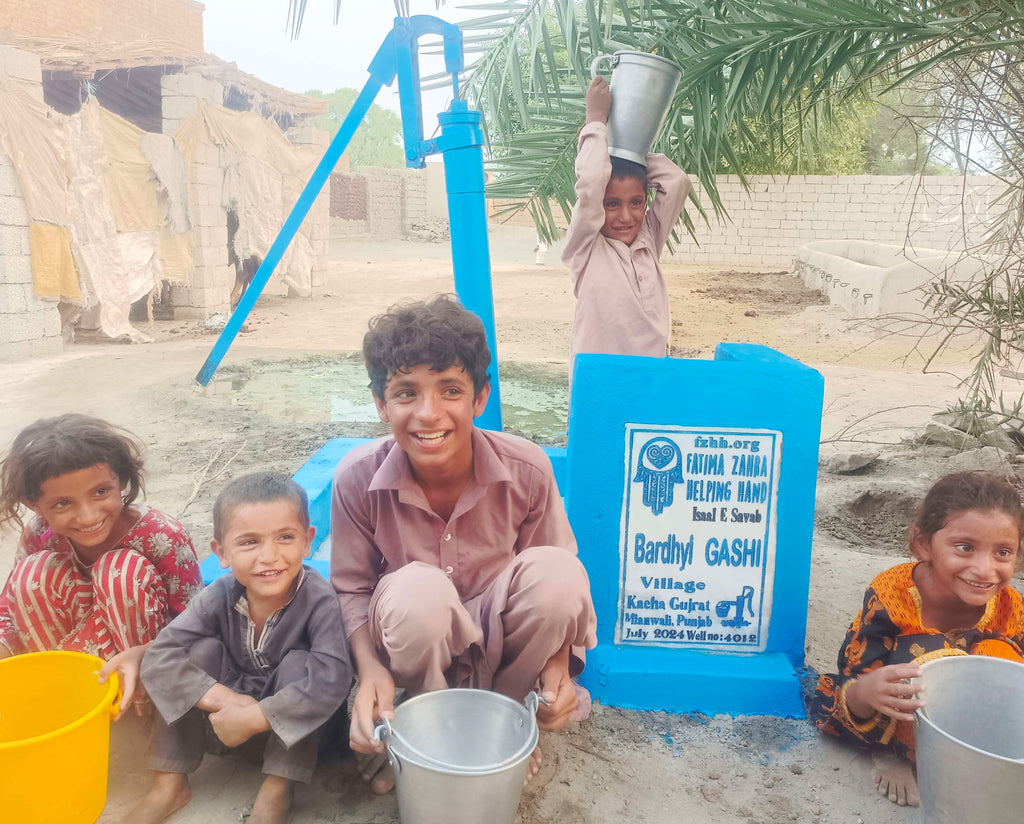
{"points": [[252, 34]]}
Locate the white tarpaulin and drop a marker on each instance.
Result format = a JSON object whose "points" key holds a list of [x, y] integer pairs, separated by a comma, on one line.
{"points": [[67, 176], [263, 176]]}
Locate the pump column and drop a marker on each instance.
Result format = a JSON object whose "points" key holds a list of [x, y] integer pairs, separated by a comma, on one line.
{"points": [[461, 144]]}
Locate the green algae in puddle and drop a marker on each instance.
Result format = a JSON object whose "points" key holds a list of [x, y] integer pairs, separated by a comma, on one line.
{"points": [[534, 399]]}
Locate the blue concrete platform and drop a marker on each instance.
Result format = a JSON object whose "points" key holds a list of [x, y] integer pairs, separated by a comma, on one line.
{"points": [[692, 681]]}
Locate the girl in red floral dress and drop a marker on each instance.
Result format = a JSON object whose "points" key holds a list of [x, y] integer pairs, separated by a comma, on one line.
{"points": [[94, 571]]}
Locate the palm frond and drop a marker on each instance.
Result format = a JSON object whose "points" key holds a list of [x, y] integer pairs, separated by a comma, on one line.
{"points": [[790, 63], [297, 12]]}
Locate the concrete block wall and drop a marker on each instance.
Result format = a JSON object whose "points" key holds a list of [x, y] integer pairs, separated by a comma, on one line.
{"points": [[769, 224], [179, 23], [179, 96], [29, 327], [24, 68], [385, 201], [209, 288], [318, 221]]}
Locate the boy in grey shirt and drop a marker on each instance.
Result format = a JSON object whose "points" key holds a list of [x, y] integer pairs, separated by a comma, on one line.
{"points": [[260, 651]]}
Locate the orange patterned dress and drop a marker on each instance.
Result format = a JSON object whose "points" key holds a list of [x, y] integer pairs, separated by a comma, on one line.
{"points": [[889, 630]]}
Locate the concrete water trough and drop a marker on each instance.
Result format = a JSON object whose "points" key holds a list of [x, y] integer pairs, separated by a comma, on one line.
{"points": [[869, 279]]}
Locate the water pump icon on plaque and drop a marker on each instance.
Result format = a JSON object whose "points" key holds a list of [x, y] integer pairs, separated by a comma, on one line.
{"points": [[697, 550]]}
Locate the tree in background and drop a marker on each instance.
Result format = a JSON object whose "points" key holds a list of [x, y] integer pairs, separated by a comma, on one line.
{"points": [[377, 141], [836, 147]]}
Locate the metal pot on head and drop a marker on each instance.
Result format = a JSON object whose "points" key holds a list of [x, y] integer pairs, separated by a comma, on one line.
{"points": [[642, 87]]}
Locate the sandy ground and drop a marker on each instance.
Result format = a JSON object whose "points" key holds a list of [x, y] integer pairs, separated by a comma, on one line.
{"points": [[619, 765]]}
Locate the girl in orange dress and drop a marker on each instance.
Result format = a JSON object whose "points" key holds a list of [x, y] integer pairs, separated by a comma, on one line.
{"points": [[955, 599]]}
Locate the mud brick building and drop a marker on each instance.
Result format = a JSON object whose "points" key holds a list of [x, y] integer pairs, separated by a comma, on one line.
{"points": [[136, 169]]}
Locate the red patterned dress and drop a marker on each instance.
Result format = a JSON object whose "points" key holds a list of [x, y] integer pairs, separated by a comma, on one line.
{"points": [[889, 630], [52, 600]]}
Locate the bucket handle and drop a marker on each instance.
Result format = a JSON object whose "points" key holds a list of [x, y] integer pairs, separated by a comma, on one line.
{"points": [[613, 59], [384, 731], [115, 706]]}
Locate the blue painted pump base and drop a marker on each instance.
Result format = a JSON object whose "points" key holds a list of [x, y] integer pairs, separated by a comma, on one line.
{"points": [[686, 681], [690, 489]]}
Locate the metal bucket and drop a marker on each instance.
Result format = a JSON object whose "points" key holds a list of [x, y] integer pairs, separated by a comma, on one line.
{"points": [[642, 88], [970, 741], [460, 755]]}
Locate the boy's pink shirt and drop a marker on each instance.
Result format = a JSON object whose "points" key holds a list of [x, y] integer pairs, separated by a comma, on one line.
{"points": [[381, 520], [621, 299]]}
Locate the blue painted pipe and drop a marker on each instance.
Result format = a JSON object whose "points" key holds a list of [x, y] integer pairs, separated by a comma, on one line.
{"points": [[461, 143], [291, 226]]}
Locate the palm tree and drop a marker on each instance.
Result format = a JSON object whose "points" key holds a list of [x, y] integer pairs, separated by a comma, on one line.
{"points": [[787, 65]]}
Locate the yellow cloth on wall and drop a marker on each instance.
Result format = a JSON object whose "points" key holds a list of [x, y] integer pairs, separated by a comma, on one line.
{"points": [[53, 269], [176, 257], [129, 176]]}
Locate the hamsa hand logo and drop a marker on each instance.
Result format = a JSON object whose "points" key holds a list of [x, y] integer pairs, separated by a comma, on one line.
{"points": [[659, 467]]}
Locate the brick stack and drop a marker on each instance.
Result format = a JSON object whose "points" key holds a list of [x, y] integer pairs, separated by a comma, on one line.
{"points": [[212, 276]]}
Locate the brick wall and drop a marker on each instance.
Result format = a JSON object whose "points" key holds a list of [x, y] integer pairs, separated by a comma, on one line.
{"points": [[389, 203], [765, 226], [768, 225], [348, 197], [178, 23], [29, 327]]}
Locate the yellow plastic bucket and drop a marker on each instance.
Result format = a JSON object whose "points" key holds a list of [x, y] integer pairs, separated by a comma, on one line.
{"points": [[54, 738]]}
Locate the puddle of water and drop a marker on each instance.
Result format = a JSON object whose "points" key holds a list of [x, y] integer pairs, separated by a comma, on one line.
{"points": [[534, 398]]}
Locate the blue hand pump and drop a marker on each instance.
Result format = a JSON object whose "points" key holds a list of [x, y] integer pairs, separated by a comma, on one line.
{"points": [[461, 146]]}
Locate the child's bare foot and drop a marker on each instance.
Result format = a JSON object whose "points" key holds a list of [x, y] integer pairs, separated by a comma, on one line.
{"points": [[894, 778], [168, 793], [376, 771], [273, 802], [536, 758]]}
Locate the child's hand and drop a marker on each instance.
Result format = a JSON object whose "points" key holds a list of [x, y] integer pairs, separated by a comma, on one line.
{"points": [[557, 688], [238, 722], [127, 665], [887, 690], [374, 699], [599, 100]]}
